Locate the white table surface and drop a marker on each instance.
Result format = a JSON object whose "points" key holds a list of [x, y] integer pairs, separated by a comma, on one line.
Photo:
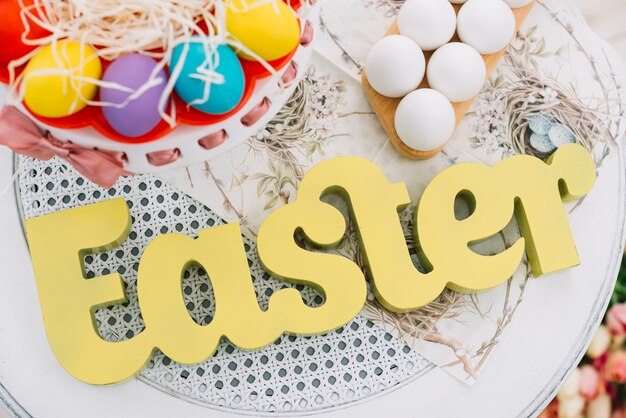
{"points": [[522, 376]]}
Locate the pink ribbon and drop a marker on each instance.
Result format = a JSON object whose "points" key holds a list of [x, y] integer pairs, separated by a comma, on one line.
{"points": [[307, 34], [213, 140], [19, 133], [289, 75], [256, 113], [161, 158]]}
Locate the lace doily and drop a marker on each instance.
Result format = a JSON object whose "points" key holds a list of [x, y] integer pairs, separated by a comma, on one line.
{"points": [[295, 374]]}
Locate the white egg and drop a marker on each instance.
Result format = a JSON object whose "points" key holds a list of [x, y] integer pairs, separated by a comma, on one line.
{"points": [[395, 66], [486, 25], [425, 120], [518, 3], [457, 70], [430, 23]]}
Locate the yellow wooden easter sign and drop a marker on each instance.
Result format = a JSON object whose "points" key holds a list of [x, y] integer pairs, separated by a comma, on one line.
{"points": [[521, 185]]}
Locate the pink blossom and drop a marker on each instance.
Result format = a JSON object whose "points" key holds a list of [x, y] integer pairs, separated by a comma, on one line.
{"points": [[600, 362], [616, 320], [590, 382], [616, 367], [610, 389]]}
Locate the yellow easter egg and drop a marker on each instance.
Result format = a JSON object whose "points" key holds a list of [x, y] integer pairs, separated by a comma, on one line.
{"points": [[56, 79], [270, 29]]}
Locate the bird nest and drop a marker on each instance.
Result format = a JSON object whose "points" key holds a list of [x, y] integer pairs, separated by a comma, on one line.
{"points": [[562, 107]]}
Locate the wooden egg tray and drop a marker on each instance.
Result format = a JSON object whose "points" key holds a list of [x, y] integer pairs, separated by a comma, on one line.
{"points": [[385, 107]]}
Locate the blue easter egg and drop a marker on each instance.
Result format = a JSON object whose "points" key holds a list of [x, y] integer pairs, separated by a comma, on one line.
{"points": [[540, 124], [561, 135], [541, 143], [226, 84]]}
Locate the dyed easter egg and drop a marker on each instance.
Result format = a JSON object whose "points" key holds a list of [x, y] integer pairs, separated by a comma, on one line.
{"points": [[140, 115], [60, 95], [13, 28], [540, 124], [542, 143], [223, 89], [269, 29], [561, 135]]}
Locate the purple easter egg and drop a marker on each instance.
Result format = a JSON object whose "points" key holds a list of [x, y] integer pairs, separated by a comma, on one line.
{"points": [[140, 115]]}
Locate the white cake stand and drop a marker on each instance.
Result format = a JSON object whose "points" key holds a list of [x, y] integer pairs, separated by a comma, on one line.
{"points": [[185, 139]]}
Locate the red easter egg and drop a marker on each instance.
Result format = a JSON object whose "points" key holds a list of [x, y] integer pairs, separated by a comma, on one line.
{"points": [[12, 28]]}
